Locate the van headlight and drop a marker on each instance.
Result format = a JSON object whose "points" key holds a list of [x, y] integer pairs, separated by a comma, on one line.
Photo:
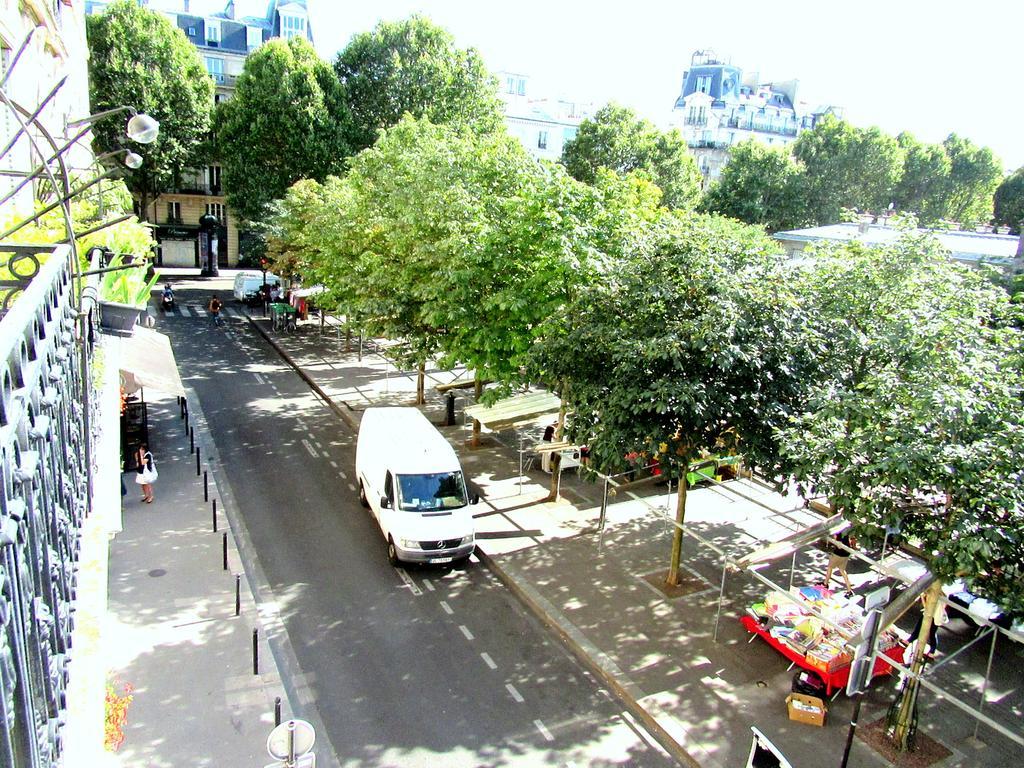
{"points": [[409, 543], [467, 539]]}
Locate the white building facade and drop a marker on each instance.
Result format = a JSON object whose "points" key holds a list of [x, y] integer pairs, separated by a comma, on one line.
{"points": [[542, 125], [720, 105]]}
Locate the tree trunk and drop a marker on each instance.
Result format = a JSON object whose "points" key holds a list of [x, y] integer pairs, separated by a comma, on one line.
{"points": [[556, 459], [421, 374], [901, 731], [348, 339], [677, 536], [478, 390]]}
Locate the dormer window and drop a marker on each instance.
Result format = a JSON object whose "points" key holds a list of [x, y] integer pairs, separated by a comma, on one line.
{"points": [[292, 26], [703, 84], [212, 33]]}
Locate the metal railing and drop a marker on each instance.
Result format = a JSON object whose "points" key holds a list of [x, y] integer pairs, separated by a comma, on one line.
{"points": [[45, 455]]}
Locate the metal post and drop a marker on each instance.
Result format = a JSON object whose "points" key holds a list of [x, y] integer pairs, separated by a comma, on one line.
{"points": [[852, 731], [792, 570], [360, 355], [214, 515], [181, 406], [277, 711], [191, 441], [186, 421], [206, 486], [520, 464], [197, 461], [224, 547], [255, 651], [988, 672], [238, 594], [604, 505], [721, 595]]}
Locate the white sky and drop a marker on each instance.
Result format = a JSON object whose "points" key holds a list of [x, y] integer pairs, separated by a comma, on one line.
{"points": [[928, 66]]}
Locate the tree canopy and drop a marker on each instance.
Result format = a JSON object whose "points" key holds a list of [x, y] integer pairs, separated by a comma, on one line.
{"points": [[140, 59], [616, 139], [915, 417], [759, 185], [413, 66], [847, 167], [1009, 201], [922, 187], [680, 350], [974, 174], [286, 122]]}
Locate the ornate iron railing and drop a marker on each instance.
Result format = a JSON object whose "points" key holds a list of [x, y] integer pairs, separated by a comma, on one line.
{"points": [[45, 487]]}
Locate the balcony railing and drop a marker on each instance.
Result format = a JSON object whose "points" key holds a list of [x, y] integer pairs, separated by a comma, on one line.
{"points": [[761, 126]]}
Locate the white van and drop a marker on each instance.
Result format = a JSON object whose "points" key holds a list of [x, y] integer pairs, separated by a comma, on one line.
{"points": [[248, 285], [410, 478]]}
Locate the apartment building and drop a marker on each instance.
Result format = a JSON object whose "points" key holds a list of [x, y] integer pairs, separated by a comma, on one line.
{"points": [[543, 125], [225, 34], [721, 105]]}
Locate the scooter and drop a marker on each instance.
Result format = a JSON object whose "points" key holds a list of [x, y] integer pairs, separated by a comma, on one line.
{"points": [[167, 302]]}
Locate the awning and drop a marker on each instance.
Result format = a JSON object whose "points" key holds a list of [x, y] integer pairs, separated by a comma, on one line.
{"points": [[147, 361], [305, 293], [515, 411], [793, 542]]}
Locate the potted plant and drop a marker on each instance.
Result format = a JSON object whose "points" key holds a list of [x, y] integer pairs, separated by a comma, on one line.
{"points": [[124, 293]]}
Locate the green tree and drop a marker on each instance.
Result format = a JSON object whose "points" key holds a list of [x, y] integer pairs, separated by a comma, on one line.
{"points": [[137, 58], [616, 139], [681, 350], [922, 187], [847, 167], [915, 417], [286, 122], [1009, 201], [759, 185], [974, 174], [413, 66]]}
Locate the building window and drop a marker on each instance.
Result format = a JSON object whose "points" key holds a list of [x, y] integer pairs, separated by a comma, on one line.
{"points": [[521, 86], [253, 38], [216, 209], [174, 213], [213, 178], [191, 32], [212, 33], [542, 140], [215, 67], [703, 84], [292, 26]]}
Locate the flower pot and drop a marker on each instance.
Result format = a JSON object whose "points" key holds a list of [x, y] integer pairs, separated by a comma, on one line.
{"points": [[116, 317]]}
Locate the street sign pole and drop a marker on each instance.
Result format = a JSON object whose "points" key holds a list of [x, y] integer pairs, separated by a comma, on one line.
{"points": [[860, 674]]}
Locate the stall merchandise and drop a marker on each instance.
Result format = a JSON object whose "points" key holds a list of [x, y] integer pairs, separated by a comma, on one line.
{"points": [[785, 621]]}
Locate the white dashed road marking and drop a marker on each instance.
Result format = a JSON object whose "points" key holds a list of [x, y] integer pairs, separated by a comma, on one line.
{"points": [[351, 487], [488, 661], [428, 585], [310, 448], [543, 730], [465, 631], [335, 465], [516, 695], [259, 379], [447, 608], [408, 581]]}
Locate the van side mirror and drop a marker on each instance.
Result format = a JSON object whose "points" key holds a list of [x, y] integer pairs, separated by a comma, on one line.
{"points": [[385, 503], [475, 499]]}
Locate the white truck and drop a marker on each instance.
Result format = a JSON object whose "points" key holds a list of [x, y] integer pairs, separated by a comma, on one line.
{"points": [[411, 479]]}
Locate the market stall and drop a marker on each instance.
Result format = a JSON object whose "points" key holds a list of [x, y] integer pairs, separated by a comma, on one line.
{"points": [[811, 626]]}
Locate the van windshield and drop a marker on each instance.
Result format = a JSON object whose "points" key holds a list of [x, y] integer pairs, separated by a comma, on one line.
{"points": [[426, 493]]}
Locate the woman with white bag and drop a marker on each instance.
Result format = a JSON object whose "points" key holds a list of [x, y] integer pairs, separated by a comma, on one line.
{"points": [[147, 474]]}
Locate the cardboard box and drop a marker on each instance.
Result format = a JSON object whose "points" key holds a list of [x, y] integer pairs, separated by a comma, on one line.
{"points": [[807, 709]]}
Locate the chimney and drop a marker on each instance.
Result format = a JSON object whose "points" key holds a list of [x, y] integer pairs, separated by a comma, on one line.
{"points": [[185, 9]]}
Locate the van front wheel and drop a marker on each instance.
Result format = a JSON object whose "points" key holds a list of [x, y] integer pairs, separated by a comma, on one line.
{"points": [[392, 552], [362, 495]]}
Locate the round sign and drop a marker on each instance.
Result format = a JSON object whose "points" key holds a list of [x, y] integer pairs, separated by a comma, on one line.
{"points": [[298, 732]]}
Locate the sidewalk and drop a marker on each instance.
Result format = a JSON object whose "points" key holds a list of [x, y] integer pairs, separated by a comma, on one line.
{"points": [[171, 631], [597, 589]]}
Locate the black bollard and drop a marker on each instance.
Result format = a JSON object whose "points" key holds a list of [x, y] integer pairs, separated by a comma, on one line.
{"points": [[255, 651], [449, 410], [181, 406], [197, 461], [225, 548], [191, 441], [206, 486], [277, 711], [186, 421], [238, 594], [214, 515]]}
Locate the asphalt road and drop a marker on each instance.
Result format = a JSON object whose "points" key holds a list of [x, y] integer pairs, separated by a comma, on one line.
{"points": [[407, 667]]}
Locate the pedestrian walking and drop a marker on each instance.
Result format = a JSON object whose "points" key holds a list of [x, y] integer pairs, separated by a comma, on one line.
{"points": [[839, 558], [146, 472], [214, 308]]}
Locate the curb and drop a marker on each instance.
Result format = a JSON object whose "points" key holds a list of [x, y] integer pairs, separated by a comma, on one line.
{"points": [[605, 675]]}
